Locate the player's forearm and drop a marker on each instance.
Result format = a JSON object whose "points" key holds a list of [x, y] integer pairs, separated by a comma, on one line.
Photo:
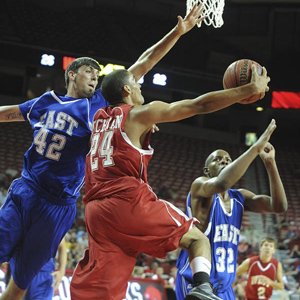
{"points": [[154, 54], [10, 113], [235, 170], [62, 257], [161, 48], [217, 100], [277, 285], [278, 196]]}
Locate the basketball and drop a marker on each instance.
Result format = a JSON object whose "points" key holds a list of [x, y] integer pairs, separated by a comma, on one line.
{"points": [[239, 73]]}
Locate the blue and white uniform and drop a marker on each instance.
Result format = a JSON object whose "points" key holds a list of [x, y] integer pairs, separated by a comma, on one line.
{"points": [[223, 232], [41, 205]]}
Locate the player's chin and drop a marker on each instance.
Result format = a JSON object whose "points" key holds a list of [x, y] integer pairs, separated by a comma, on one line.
{"points": [[89, 93]]}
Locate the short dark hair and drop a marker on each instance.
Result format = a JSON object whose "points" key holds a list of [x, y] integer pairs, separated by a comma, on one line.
{"points": [[77, 63], [112, 86], [269, 240]]}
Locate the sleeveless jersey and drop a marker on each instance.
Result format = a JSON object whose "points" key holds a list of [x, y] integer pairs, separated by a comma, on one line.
{"points": [[55, 162], [254, 289], [223, 232], [114, 166]]}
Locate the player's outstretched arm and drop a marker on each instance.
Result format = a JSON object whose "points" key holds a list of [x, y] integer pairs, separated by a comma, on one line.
{"points": [[232, 173], [161, 112], [10, 113], [155, 53]]}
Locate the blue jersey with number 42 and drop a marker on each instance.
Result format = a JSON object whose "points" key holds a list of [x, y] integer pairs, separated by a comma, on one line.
{"points": [[55, 161]]}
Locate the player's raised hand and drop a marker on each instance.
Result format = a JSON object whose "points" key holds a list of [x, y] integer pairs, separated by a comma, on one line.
{"points": [[267, 153], [261, 81], [260, 144], [190, 20], [57, 278]]}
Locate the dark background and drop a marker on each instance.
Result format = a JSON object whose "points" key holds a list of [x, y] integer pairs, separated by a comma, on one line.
{"points": [[267, 31]]}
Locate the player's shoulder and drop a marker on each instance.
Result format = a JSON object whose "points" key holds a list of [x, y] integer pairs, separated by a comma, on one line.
{"points": [[253, 259]]}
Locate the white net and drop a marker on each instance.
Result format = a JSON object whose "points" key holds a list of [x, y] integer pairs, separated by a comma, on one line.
{"points": [[212, 11]]}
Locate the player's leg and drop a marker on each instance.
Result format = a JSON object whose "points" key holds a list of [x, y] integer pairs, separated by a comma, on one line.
{"points": [[10, 225], [41, 285], [104, 271], [184, 276], [198, 247], [10, 235], [13, 292], [43, 226]]}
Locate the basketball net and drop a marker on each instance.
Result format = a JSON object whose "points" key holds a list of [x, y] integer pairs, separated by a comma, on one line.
{"points": [[212, 11]]}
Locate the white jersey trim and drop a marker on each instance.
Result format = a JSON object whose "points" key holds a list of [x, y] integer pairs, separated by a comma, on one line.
{"points": [[142, 151], [223, 207], [171, 206], [268, 266]]}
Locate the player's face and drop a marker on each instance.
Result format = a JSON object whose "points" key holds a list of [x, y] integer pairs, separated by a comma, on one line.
{"points": [[218, 160], [267, 249], [136, 94], [86, 80]]}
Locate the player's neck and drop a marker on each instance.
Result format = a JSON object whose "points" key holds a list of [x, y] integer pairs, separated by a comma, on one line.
{"points": [[224, 196], [265, 259]]}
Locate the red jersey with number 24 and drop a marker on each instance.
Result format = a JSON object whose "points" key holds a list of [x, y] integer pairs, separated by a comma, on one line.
{"points": [[114, 166]]}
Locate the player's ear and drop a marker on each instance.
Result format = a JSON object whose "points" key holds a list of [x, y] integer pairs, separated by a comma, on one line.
{"points": [[127, 89], [206, 171], [72, 75]]}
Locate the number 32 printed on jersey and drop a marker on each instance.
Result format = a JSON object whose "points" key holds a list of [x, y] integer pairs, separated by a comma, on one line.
{"points": [[225, 260]]}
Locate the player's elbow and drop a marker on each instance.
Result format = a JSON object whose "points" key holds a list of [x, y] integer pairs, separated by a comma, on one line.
{"points": [[281, 207]]}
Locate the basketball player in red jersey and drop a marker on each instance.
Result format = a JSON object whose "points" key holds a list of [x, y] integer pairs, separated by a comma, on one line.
{"points": [[123, 215], [264, 272]]}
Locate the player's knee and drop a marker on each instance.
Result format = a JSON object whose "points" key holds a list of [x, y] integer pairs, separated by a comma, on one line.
{"points": [[13, 292], [193, 236]]}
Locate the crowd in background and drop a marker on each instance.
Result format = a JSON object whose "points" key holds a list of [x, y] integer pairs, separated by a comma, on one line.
{"points": [[287, 235]]}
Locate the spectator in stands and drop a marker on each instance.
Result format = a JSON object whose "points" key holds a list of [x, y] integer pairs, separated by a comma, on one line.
{"points": [[53, 171], [294, 255], [219, 208]]}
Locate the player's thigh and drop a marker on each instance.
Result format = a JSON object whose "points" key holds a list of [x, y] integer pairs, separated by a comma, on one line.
{"points": [[46, 225], [102, 274], [194, 234], [40, 287], [10, 229]]}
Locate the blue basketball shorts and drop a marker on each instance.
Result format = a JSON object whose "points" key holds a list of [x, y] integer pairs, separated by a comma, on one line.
{"points": [[40, 287], [31, 229]]}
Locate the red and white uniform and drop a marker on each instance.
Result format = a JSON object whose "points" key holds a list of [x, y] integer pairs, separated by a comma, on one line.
{"points": [[254, 288], [124, 217]]}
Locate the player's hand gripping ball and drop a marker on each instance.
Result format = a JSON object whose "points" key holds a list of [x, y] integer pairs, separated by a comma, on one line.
{"points": [[239, 73]]}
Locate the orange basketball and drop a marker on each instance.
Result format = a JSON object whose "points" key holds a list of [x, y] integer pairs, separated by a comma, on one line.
{"points": [[239, 73]]}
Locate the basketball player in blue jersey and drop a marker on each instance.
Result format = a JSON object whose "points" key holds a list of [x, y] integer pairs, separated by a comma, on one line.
{"points": [[219, 208], [41, 205]]}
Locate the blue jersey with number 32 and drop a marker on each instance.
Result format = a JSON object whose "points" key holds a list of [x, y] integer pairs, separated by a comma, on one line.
{"points": [[223, 231], [55, 161]]}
